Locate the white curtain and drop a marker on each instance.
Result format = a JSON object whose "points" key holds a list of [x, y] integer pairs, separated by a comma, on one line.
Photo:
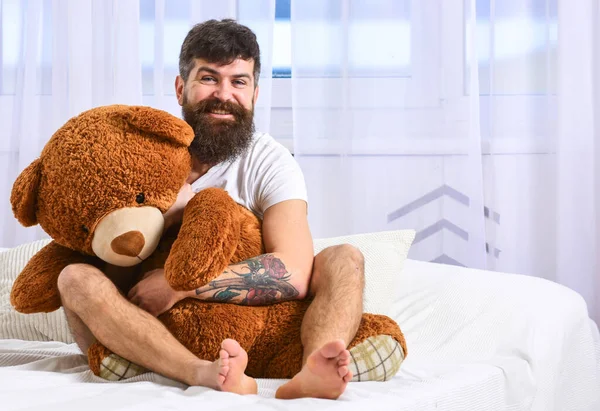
{"points": [[473, 122], [58, 59]]}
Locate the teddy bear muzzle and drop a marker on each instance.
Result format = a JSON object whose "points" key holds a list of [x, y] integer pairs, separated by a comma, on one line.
{"points": [[127, 236]]}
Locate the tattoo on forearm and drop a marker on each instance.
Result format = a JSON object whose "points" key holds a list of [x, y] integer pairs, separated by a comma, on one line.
{"points": [[261, 280]]}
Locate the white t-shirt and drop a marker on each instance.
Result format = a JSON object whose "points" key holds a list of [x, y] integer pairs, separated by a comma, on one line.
{"points": [[263, 176]]}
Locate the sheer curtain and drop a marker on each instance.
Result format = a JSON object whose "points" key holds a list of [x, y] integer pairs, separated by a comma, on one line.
{"points": [[474, 122], [60, 60], [61, 57]]}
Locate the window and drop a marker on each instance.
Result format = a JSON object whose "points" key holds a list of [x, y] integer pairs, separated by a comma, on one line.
{"points": [[420, 50], [373, 67], [282, 40], [516, 42], [12, 16], [176, 24], [517, 49], [9, 51], [379, 47], [351, 39]]}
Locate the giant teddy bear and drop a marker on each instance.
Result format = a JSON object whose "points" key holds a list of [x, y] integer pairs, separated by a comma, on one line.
{"points": [[100, 188]]}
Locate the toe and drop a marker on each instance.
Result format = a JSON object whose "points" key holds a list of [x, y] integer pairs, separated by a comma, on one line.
{"points": [[223, 354], [231, 346], [220, 380], [345, 355], [343, 371]]}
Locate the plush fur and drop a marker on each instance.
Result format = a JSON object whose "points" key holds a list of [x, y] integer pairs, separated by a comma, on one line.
{"points": [[97, 188]]}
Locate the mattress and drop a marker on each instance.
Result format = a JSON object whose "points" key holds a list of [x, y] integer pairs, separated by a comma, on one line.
{"points": [[476, 341]]}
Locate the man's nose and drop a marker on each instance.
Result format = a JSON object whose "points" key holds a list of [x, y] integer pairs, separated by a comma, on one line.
{"points": [[223, 92]]}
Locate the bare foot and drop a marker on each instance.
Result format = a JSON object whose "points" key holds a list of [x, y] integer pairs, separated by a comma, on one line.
{"points": [[325, 374], [231, 365], [227, 372]]}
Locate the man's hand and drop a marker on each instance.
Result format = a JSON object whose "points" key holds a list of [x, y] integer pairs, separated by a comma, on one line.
{"points": [[153, 293], [175, 213]]}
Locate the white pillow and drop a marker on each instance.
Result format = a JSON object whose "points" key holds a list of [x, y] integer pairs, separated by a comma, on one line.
{"points": [[384, 252], [36, 327]]}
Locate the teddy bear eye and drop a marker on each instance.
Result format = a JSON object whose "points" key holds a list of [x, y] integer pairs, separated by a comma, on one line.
{"points": [[140, 198], [85, 229]]}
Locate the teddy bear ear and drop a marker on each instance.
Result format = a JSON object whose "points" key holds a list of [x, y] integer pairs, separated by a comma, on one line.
{"points": [[23, 197], [160, 123]]}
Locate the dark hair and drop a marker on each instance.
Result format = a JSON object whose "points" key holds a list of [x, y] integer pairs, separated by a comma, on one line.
{"points": [[219, 42]]}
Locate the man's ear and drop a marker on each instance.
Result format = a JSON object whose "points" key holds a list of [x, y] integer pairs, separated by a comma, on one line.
{"points": [[179, 89], [23, 197]]}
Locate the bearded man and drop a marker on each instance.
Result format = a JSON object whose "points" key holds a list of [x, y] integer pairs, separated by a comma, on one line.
{"points": [[217, 87]]}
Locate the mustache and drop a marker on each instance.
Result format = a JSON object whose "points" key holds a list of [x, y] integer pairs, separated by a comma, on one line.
{"points": [[210, 105]]}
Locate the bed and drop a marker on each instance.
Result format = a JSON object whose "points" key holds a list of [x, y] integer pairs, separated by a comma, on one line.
{"points": [[476, 341]]}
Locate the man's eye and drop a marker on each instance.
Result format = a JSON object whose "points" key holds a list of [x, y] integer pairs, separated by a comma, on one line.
{"points": [[239, 83], [208, 79]]}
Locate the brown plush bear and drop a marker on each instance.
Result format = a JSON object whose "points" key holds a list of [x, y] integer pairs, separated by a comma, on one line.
{"points": [[100, 188]]}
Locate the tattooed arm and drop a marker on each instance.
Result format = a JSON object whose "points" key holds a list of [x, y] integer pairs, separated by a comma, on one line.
{"points": [[257, 281], [282, 274]]}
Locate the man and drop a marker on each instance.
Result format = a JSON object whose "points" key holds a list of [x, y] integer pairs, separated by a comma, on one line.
{"points": [[217, 89]]}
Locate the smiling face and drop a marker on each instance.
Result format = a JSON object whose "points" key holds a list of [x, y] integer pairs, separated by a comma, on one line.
{"points": [[218, 103], [232, 82]]}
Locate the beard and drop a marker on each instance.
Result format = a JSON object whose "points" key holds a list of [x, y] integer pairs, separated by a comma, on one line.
{"points": [[217, 140]]}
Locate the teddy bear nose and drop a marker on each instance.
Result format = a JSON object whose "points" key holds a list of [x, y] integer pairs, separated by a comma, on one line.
{"points": [[130, 243]]}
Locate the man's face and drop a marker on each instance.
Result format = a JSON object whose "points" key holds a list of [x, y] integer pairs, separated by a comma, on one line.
{"points": [[218, 103]]}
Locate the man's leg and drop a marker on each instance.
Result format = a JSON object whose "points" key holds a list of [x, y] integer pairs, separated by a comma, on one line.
{"points": [[82, 335], [95, 308], [337, 285], [329, 324]]}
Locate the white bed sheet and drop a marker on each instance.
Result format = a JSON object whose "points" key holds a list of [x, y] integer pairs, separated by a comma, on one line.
{"points": [[476, 341]]}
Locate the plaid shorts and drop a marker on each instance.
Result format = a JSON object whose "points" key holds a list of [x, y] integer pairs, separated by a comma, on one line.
{"points": [[377, 358], [115, 368]]}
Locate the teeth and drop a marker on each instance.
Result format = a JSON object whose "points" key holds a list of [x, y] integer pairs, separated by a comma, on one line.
{"points": [[220, 112]]}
